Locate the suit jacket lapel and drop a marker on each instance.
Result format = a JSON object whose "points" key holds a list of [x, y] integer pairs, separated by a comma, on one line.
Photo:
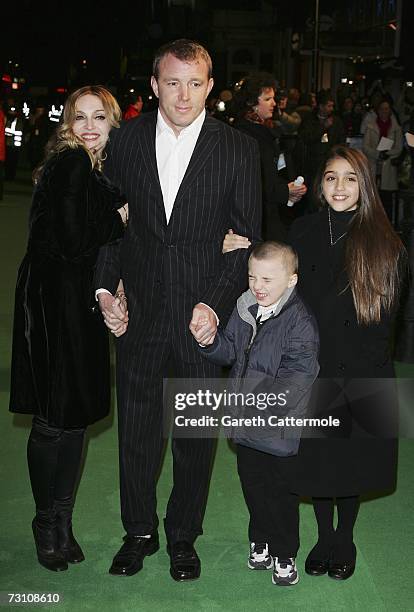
{"points": [[147, 143], [208, 139]]}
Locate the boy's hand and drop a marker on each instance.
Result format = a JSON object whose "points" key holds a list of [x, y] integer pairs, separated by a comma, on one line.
{"points": [[203, 324]]}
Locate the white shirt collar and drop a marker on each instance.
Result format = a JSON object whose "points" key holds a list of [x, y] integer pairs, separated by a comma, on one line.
{"points": [[266, 311], [162, 125]]}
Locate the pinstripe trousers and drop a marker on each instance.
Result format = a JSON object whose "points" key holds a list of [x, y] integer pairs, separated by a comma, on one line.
{"points": [[140, 371]]}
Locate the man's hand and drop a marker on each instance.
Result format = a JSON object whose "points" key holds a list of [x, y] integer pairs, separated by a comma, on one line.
{"points": [[115, 313], [203, 324]]}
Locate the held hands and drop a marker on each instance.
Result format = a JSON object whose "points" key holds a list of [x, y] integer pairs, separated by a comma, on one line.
{"points": [[233, 241], [114, 311], [203, 324], [296, 193]]}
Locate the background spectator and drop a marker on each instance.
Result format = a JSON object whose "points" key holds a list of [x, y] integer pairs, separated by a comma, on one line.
{"points": [[384, 163], [134, 108]]}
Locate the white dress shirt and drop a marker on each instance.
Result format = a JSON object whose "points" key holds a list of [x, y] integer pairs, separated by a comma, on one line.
{"points": [[173, 156]]}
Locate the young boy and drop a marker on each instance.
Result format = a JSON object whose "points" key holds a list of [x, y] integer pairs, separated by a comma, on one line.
{"points": [[272, 338]]}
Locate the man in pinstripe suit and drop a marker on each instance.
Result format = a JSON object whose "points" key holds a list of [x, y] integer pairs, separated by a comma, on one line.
{"points": [[187, 178]]}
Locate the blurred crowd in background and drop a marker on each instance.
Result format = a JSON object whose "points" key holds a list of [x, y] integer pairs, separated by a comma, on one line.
{"points": [[300, 127]]}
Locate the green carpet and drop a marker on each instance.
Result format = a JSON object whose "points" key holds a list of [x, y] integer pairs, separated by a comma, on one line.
{"points": [[384, 532]]}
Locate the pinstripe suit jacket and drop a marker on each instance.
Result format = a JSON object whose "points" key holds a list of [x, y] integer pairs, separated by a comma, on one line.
{"points": [[181, 262]]}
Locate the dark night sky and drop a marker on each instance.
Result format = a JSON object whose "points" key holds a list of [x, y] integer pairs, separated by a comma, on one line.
{"points": [[46, 37]]}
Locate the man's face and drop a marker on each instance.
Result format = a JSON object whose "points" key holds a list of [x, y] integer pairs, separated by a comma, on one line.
{"points": [[328, 108], [269, 279], [182, 89], [266, 103]]}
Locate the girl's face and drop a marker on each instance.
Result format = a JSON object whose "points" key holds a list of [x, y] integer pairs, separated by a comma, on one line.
{"points": [[340, 185], [266, 103]]}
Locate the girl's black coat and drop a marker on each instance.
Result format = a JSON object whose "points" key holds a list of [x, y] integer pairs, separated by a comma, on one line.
{"points": [[60, 355], [355, 379]]}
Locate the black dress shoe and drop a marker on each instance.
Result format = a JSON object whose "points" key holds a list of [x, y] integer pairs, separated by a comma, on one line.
{"points": [[130, 557], [185, 563], [342, 570]]}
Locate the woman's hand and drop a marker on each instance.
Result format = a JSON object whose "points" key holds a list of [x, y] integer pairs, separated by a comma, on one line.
{"points": [[232, 242]]}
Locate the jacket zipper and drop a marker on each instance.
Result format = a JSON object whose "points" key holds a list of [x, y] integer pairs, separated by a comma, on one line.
{"points": [[246, 359], [247, 350]]}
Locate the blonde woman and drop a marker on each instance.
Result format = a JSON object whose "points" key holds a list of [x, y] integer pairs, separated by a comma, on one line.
{"points": [[60, 359]]}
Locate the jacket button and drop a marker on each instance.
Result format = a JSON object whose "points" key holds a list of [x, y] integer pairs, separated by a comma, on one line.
{"points": [[347, 322], [342, 366], [313, 267]]}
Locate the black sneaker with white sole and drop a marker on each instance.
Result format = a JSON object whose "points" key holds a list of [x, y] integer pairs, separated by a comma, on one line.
{"points": [[285, 572], [259, 558]]}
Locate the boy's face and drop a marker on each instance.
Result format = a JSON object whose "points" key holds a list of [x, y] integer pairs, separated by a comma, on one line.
{"points": [[269, 279]]}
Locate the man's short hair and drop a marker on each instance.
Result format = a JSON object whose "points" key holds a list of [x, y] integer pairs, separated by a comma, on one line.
{"points": [[185, 50], [271, 248], [324, 96]]}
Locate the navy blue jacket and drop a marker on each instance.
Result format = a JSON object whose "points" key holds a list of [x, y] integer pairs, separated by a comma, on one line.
{"points": [[278, 357]]}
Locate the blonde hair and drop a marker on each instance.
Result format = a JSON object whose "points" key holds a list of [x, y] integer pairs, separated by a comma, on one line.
{"points": [[65, 138], [271, 248]]}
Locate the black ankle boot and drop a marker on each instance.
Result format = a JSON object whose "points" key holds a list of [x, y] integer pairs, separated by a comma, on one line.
{"points": [[45, 536], [68, 546]]}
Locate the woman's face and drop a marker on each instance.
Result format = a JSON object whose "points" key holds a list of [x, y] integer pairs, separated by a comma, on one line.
{"points": [[91, 123], [340, 185], [266, 103], [384, 111]]}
